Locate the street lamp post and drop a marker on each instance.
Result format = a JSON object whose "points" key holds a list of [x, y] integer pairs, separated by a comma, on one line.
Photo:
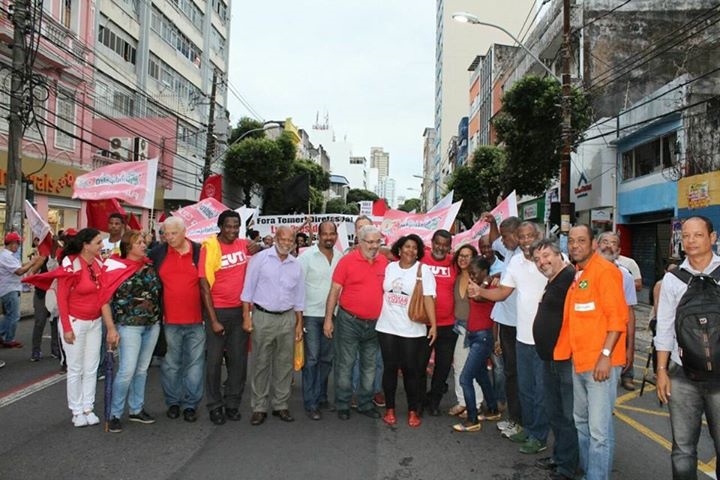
{"points": [[565, 205]]}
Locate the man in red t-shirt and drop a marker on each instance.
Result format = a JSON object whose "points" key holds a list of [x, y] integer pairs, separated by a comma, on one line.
{"points": [[184, 362], [440, 261], [222, 266], [357, 288]]}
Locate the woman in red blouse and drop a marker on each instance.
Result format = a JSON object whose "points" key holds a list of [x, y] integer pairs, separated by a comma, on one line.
{"points": [[78, 298]]}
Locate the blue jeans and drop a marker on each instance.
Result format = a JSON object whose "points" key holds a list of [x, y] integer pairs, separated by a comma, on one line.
{"points": [[318, 363], [136, 346], [379, 367], [593, 406], [183, 367], [498, 377], [688, 402], [11, 307], [353, 337], [532, 392], [558, 377], [480, 344]]}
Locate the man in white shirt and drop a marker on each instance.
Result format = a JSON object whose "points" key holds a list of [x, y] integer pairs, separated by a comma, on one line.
{"points": [[318, 263], [690, 398], [116, 228], [522, 275]]}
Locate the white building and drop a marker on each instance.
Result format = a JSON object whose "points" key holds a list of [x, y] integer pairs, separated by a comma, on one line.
{"points": [[456, 46], [386, 190], [380, 159]]}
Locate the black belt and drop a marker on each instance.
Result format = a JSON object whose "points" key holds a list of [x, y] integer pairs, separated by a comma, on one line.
{"points": [[265, 310], [355, 317]]}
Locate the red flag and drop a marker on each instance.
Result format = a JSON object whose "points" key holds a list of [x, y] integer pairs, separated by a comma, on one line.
{"points": [[133, 223], [380, 206], [212, 188], [98, 212], [45, 247]]}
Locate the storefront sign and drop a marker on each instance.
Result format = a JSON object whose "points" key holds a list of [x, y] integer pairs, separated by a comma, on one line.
{"points": [[698, 194], [54, 179]]}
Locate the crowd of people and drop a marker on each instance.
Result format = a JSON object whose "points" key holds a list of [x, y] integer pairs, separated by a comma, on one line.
{"points": [[537, 339]]}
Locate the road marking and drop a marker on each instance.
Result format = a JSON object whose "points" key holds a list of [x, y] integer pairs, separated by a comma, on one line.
{"points": [[707, 468], [28, 389], [643, 410]]}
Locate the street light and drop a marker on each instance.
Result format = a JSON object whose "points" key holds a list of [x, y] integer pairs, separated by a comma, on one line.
{"points": [[465, 17], [565, 205]]}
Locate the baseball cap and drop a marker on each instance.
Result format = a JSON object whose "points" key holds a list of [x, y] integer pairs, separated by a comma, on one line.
{"points": [[12, 237], [70, 232]]}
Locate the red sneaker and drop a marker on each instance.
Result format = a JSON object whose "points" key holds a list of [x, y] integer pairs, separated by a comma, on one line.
{"points": [[379, 400], [389, 417], [413, 419]]}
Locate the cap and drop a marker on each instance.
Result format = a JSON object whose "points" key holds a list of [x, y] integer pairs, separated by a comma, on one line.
{"points": [[12, 237], [70, 232]]}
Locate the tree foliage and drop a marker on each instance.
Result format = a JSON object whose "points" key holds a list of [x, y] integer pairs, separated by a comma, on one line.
{"points": [[275, 201], [411, 204], [480, 183], [337, 205], [256, 164], [530, 125], [244, 125], [358, 195]]}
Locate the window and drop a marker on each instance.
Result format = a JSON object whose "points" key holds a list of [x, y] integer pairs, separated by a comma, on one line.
{"points": [[123, 103], [649, 157], [113, 38], [169, 32], [65, 120]]}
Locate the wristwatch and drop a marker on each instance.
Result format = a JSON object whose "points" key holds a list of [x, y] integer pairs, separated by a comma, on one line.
{"points": [[606, 352]]}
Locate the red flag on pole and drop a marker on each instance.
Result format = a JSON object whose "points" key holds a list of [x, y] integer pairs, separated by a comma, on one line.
{"points": [[98, 212], [133, 223], [379, 208], [212, 188]]}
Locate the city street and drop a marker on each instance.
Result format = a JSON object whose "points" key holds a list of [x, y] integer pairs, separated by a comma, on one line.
{"points": [[40, 442]]}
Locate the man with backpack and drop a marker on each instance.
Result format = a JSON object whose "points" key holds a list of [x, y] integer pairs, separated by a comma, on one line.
{"points": [[688, 346]]}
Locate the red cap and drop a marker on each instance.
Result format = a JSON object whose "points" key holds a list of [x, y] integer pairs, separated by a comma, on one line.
{"points": [[12, 237], [70, 232]]}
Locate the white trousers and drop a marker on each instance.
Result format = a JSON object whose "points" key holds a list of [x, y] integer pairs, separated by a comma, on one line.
{"points": [[83, 357]]}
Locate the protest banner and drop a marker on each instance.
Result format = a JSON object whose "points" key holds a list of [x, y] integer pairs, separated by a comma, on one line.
{"points": [[205, 209], [506, 208], [130, 182], [397, 223], [40, 229]]}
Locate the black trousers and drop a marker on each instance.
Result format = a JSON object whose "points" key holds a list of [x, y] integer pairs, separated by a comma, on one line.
{"points": [[508, 338], [404, 354], [444, 347]]}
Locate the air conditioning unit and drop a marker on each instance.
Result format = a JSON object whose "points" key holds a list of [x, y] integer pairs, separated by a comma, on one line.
{"points": [[142, 149], [121, 148]]}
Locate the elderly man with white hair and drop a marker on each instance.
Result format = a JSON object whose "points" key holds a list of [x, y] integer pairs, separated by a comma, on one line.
{"points": [[176, 262]]}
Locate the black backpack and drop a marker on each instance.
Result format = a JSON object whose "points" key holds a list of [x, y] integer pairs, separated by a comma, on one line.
{"points": [[697, 325]]}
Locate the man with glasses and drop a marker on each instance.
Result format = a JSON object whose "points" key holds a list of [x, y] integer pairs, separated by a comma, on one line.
{"points": [[357, 289]]}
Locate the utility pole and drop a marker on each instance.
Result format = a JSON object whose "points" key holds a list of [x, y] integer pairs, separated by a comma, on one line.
{"points": [[13, 188], [210, 142], [565, 205]]}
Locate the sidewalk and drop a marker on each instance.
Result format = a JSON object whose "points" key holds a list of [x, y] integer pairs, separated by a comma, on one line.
{"points": [[26, 305]]}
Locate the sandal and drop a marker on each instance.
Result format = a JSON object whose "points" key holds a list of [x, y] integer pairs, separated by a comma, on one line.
{"points": [[467, 427], [456, 410]]}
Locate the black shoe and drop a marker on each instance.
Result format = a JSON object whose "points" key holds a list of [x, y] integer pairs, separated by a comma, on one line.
{"points": [[546, 463], [283, 415], [314, 414], [173, 412], [233, 414], [141, 417], [217, 416], [344, 414], [258, 418], [189, 415], [115, 426], [370, 412]]}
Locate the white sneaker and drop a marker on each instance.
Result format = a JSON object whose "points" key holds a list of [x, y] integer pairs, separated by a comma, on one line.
{"points": [[504, 424], [91, 418], [80, 420], [509, 432]]}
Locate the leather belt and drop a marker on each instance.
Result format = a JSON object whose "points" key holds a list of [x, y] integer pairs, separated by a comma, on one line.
{"points": [[270, 312], [355, 317]]}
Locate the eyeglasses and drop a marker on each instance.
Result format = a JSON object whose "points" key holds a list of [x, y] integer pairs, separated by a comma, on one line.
{"points": [[371, 242]]}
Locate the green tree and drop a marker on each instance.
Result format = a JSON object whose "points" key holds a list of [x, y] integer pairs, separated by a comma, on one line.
{"points": [[480, 183], [244, 125], [411, 204], [275, 199], [359, 195], [337, 205], [530, 126], [258, 164]]}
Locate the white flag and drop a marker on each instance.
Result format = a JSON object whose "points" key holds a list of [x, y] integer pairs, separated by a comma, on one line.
{"points": [[444, 202]]}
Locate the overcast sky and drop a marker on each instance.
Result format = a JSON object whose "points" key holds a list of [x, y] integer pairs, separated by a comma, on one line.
{"points": [[368, 64]]}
